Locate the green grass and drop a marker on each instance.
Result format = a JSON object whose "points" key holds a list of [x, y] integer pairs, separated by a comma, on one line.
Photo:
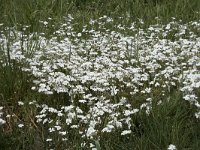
{"points": [[171, 123], [30, 12]]}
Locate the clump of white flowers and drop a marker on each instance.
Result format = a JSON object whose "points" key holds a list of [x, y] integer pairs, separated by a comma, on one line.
{"points": [[106, 73]]}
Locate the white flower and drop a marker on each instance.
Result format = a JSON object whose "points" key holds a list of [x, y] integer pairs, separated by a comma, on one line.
{"points": [[51, 129], [168, 26], [45, 23], [64, 139], [20, 103], [48, 140], [197, 115], [20, 125], [33, 88], [171, 147], [128, 113], [62, 133], [8, 116], [30, 103], [2, 121], [68, 121], [79, 34], [126, 132], [90, 132], [74, 126], [92, 145], [57, 127], [108, 128]]}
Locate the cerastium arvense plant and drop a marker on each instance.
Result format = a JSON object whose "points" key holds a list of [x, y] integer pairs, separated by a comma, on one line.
{"points": [[93, 83]]}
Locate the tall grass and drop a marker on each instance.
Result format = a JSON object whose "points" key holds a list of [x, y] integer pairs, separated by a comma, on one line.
{"points": [[30, 12]]}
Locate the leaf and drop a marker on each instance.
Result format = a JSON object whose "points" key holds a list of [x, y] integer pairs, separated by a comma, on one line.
{"points": [[97, 144]]}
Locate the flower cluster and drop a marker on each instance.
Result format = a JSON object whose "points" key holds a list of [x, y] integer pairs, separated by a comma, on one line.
{"points": [[107, 76]]}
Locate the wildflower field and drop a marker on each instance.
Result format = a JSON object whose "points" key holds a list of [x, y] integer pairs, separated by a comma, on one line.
{"points": [[99, 75]]}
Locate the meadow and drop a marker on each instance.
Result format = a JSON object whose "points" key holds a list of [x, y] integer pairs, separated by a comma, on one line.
{"points": [[99, 75]]}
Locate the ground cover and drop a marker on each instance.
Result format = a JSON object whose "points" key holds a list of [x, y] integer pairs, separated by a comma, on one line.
{"points": [[97, 80]]}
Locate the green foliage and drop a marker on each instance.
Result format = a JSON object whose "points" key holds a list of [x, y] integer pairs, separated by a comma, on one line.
{"points": [[30, 12], [166, 124]]}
